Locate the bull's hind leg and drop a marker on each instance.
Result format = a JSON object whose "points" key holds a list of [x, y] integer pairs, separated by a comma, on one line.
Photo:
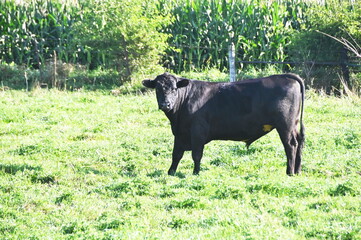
{"points": [[290, 143], [198, 140], [301, 142], [298, 159], [197, 154]]}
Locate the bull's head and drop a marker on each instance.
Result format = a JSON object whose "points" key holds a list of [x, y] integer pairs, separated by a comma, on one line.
{"points": [[167, 88]]}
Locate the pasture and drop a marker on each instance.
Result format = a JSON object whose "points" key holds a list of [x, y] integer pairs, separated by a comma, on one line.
{"points": [[90, 165]]}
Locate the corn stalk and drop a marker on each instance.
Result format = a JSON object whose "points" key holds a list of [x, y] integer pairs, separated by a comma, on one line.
{"points": [[203, 29], [32, 30]]}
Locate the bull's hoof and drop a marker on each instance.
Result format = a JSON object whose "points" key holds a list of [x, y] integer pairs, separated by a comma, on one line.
{"points": [[293, 174], [196, 173], [171, 172]]}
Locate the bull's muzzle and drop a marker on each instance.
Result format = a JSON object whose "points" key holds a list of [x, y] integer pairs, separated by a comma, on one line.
{"points": [[165, 106]]}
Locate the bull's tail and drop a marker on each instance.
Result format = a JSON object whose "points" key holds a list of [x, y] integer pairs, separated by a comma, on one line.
{"points": [[301, 134]]}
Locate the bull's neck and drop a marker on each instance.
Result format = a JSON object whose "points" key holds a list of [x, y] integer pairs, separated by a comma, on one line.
{"points": [[174, 114]]}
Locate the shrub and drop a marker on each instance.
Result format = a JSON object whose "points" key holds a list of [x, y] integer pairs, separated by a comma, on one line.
{"points": [[336, 18], [122, 35], [17, 77]]}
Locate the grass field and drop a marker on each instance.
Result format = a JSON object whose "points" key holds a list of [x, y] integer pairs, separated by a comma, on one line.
{"points": [[90, 165]]}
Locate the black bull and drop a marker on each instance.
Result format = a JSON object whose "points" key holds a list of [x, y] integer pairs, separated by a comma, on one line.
{"points": [[200, 112]]}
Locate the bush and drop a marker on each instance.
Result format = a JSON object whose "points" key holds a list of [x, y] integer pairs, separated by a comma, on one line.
{"points": [[68, 77], [17, 77], [95, 79], [338, 19], [122, 35]]}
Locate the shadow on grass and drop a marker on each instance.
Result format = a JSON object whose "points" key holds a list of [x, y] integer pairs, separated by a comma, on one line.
{"points": [[180, 175], [14, 168], [242, 150]]}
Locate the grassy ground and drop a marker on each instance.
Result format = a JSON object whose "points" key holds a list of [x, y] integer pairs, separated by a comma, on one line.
{"points": [[93, 166]]}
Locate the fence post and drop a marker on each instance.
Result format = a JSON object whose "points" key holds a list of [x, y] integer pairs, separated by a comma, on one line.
{"points": [[55, 82], [344, 67], [232, 62], [26, 80]]}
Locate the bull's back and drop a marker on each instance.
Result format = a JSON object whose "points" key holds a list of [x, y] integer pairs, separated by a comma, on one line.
{"points": [[247, 110]]}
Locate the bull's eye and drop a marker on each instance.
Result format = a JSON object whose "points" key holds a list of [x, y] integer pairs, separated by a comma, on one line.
{"points": [[170, 91]]}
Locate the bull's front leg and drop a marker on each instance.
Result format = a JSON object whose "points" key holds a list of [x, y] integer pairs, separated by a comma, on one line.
{"points": [[197, 154], [176, 157]]}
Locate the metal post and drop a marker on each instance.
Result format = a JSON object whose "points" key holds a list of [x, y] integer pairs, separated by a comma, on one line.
{"points": [[344, 67], [232, 62]]}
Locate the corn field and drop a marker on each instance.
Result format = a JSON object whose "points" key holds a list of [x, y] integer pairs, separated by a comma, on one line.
{"points": [[202, 30], [35, 31]]}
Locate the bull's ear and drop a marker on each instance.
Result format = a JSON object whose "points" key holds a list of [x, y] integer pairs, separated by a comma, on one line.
{"points": [[148, 83], [182, 83]]}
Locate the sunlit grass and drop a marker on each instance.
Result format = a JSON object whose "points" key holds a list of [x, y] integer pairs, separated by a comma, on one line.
{"points": [[91, 165]]}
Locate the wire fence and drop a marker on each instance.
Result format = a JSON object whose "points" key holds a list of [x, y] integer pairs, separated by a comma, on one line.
{"points": [[348, 64], [344, 59]]}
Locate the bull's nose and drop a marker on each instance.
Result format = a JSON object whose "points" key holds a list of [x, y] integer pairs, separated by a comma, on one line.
{"points": [[165, 106]]}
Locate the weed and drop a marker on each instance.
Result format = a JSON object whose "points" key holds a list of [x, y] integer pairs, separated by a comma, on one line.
{"points": [[228, 192], [189, 203], [166, 193], [217, 162], [64, 198], [110, 224], [208, 222], [177, 223], [42, 178], [13, 169], [197, 185], [350, 140], [135, 187], [156, 174], [279, 189], [291, 218], [116, 190], [321, 205], [69, 228], [329, 234], [129, 170], [344, 189], [28, 150], [128, 205]]}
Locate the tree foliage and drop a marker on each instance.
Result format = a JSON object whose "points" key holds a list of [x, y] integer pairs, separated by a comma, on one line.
{"points": [[340, 19], [122, 34]]}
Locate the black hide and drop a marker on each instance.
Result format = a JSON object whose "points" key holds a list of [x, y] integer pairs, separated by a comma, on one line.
{"points": [[200, 112]]}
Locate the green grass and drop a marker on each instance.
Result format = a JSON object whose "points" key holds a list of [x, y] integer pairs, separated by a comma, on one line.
{"points": [[89, 165]]}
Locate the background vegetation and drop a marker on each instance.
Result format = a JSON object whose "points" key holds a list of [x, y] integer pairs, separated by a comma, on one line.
{"points": [[202, 31], [90, 165], [58, 42]]}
